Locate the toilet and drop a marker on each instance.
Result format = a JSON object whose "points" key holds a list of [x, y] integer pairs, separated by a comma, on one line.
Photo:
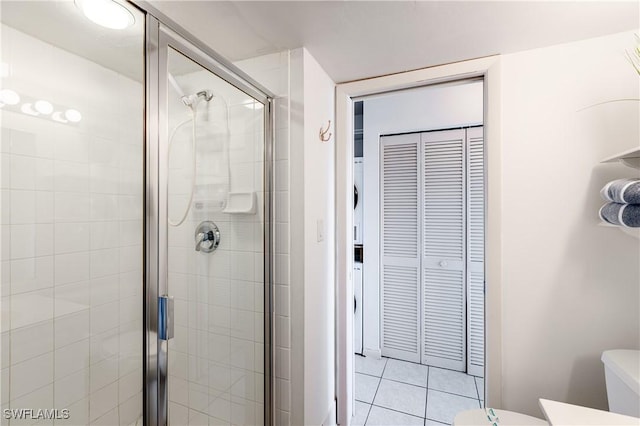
{"points": [[622, 377]]}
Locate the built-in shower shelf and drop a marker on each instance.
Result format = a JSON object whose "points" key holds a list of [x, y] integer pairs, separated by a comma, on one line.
{"points": [[630, 158], [241, 203]]}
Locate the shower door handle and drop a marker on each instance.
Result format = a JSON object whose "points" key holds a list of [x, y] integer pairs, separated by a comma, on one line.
{"points": [[165, 317]]}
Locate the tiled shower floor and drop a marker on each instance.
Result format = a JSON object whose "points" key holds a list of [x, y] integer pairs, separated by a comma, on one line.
{"points": [[397, 393]]}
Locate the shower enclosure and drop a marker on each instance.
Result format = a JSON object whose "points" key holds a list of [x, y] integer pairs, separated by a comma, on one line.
{"points": [[135, 224]]}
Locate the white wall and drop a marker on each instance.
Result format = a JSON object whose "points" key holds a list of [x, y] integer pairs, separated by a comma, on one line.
{"points": [[312, 261], [415, 110], [319, 254], [570, 287]]}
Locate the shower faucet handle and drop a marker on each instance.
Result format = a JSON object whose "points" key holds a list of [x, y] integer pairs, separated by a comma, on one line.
{"points": [[207, 237], [204, 240]]}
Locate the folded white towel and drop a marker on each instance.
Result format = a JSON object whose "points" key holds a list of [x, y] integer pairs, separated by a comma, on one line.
{"points": [[624, 191], [627, 215]]}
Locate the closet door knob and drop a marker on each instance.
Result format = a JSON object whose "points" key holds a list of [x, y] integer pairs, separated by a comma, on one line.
{"points": [[443, 263]]}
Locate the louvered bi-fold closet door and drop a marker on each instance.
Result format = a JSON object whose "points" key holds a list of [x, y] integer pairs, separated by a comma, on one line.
{"points": [[444, 249], [475, 251], [400, 246]]}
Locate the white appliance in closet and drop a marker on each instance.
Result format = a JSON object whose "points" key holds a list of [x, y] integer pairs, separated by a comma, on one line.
{"points": [[358, 201], [358, 177], [432, 248], [357, 307]]}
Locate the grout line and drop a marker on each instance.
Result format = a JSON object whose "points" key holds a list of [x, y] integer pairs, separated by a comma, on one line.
{"points": [[370, 375], [455, 394], [398, 411], [367, 416], [434, 420], [378, 387], [475, 382], [393, 380], [426, 399]]}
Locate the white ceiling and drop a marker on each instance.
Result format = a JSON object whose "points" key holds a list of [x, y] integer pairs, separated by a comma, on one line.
{"points": [[350, 39], [359, 39]]}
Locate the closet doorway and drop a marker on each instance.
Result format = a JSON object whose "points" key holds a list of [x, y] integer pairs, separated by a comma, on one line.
{"points": [[419, 167]]}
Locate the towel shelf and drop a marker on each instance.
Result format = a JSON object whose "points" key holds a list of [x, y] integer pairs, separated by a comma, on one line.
{"points": [[634, 232], [630, 158]]}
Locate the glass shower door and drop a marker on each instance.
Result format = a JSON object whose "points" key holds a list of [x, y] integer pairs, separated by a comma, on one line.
{"points": [[71, 215], [212, 152]]}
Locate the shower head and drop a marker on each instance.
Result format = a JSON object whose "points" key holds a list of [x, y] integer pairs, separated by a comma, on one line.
{"points": [[192, 100]]}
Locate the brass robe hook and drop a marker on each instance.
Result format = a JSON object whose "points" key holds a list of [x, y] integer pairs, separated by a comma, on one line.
{"points": [[323, 133]]}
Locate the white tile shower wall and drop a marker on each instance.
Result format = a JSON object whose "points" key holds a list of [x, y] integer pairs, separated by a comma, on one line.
{"points": [[272, 71], [71, 239]]}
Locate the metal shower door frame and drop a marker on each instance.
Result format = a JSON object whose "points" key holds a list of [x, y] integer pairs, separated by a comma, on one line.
{"points": [[162, 34]]}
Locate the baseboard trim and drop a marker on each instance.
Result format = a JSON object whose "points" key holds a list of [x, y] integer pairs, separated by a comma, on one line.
{"points": [[373, 353]]}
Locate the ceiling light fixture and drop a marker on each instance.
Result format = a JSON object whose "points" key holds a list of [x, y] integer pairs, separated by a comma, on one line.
{"points": [[73, 115], [106, 13], [59, 117], [9, 97], [43, 107], [27, 108], [11, 101]]}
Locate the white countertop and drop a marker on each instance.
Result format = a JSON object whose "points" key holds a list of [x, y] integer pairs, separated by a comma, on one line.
{"points": [[559, 413]]}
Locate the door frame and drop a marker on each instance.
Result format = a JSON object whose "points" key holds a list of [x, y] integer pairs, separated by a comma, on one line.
{"points": [[489, 69], [161, 33]]}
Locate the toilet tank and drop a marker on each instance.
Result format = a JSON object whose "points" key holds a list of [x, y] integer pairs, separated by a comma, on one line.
{"points": [[622, 375]]}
